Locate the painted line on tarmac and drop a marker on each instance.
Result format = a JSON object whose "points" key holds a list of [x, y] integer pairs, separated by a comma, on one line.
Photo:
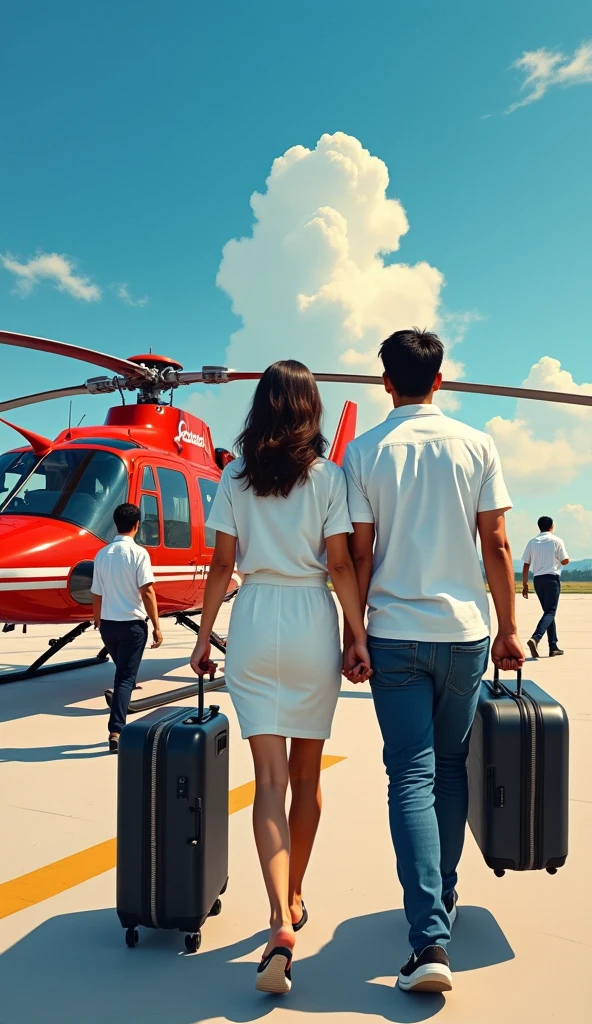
{"points": [[43, 883]]}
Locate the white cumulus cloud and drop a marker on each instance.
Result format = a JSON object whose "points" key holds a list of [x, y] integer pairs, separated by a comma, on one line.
{"points": [[544, 68], [545, 446], [574, 524], [58, 270], [317, 280]]}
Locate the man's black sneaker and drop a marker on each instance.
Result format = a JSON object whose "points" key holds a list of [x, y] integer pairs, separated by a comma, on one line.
{"points": [[427, 972], [555, 652], [450, 902], [533, 647]]}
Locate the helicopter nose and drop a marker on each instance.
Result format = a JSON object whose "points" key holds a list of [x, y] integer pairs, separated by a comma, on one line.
{"points": [[39, 559]]}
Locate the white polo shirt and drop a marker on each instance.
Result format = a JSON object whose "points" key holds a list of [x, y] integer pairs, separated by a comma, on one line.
{"points": [[545, 554], [421, 478], [120, 569]]}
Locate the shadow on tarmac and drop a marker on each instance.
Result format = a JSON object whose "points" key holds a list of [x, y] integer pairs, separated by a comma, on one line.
{"points": [[83, 972], [55, 695]]}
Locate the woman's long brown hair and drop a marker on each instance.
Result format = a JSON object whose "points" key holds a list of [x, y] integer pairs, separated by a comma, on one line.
{"points": [[282, 436]]}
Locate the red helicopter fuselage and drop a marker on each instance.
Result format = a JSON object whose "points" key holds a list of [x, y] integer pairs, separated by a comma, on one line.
{"points": [[56, 511]]}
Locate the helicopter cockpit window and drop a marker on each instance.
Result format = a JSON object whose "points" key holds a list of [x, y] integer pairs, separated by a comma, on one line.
{"points": [[207, 489], [175, 508], [14, 468], [148, 481], [78, 486]]}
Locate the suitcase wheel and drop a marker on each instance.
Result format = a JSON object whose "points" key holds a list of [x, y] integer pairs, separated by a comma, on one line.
{"points": [[552, 871], [131, 937], [216, 909], [499, 872], [193, 942]]}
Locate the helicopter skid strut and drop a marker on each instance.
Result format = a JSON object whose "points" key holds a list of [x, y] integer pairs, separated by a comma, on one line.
{"points": [[40, 668]]}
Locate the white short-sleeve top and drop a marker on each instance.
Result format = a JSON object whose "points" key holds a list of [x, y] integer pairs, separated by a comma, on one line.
{"points": [[422, 479], [282, 536]]}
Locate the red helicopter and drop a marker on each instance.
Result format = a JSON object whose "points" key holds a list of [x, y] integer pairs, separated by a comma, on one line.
{"points": [[57, 497]]}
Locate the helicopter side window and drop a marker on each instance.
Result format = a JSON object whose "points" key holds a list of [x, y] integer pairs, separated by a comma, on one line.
{"points": [[148, 481], [149, 533], [175, 506], [207, 489]]}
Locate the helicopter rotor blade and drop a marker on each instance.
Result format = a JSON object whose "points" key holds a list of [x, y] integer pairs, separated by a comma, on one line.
{"points": [[43, 396], [220, 375], [86, 355]]}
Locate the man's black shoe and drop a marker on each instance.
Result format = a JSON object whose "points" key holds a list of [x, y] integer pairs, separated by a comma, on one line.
{"points": [[555, 652], [427, 972], [533, 647]]}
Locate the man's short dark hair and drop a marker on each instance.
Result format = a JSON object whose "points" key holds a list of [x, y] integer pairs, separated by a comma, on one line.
{"points": [[412, 361], [545, 523], [125, 517]]}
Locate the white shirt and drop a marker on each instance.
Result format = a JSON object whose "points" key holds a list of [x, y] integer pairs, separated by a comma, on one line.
{"points": [[545, 554], [120, 569], [282, 536], [421, 478]]}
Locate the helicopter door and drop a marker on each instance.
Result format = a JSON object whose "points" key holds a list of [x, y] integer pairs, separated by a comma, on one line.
{"points": [[166, 533]]}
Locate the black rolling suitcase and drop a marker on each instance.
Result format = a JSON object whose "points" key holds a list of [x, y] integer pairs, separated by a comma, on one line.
{"points": [[172, 820], [518, 778]]}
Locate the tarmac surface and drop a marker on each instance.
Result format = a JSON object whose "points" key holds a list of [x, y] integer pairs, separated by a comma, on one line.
{"points": [[522, 945]]}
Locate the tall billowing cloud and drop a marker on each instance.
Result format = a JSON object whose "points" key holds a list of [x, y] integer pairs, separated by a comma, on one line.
{"points": [[545, 445], [317, 281]]}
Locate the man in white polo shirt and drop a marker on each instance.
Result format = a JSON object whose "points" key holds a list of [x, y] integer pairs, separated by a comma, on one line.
{"points": [[421, 487], [123, 599], [545, 555]]}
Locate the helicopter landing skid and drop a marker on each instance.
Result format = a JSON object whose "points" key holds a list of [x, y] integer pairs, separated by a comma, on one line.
{"points": [[157, 700], [40, 668]]}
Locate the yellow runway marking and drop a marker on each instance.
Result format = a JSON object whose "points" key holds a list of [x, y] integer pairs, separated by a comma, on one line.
{"points": [[43, 883]]}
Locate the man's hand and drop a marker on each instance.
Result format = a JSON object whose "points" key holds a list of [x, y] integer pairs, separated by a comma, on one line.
{"points": [[507, 653], [200, 662], [356, 663], [156, 637], [525, 590]]}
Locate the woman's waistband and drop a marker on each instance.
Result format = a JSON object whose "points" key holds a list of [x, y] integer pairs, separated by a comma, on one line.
{"points": [[277, 580]]}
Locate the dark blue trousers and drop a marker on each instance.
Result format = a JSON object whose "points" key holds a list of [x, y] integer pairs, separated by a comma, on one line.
{"points": [[125, 642], [548, 589]]}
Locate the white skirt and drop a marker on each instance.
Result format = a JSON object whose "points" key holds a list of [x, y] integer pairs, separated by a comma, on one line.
{"points": [[283, 657]]}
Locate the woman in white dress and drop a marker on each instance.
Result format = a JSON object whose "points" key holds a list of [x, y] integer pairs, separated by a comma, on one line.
{"points": [[281, 514]]}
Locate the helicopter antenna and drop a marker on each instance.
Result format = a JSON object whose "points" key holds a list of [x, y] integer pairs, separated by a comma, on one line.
{"points": [[70, 416], [81, 418]]}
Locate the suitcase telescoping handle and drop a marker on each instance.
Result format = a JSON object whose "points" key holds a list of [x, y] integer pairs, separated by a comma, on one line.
{"points": [[200, 692], [497, 685]]}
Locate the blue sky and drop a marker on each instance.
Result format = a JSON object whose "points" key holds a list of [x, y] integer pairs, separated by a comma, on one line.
{"points": [[134, 137]]}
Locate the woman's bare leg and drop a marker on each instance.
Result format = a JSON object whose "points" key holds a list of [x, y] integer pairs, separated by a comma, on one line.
{"points": [[305, 812], [272, 834]]}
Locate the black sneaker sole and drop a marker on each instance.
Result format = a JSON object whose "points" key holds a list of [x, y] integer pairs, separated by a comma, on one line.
{"points": [[532, 647], [429, 978]]}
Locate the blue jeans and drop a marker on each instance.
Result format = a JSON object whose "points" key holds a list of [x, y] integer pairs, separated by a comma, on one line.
{"points": [[425, 695], [548, 590], [125, 642]]}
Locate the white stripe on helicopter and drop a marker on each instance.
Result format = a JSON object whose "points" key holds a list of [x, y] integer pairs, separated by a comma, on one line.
{"points": [[50, 573]]}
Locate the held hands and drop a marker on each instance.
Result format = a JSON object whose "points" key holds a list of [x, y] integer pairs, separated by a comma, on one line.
{"points": [[156, 638], [201, 662], [356, 662], [507, 653]]}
